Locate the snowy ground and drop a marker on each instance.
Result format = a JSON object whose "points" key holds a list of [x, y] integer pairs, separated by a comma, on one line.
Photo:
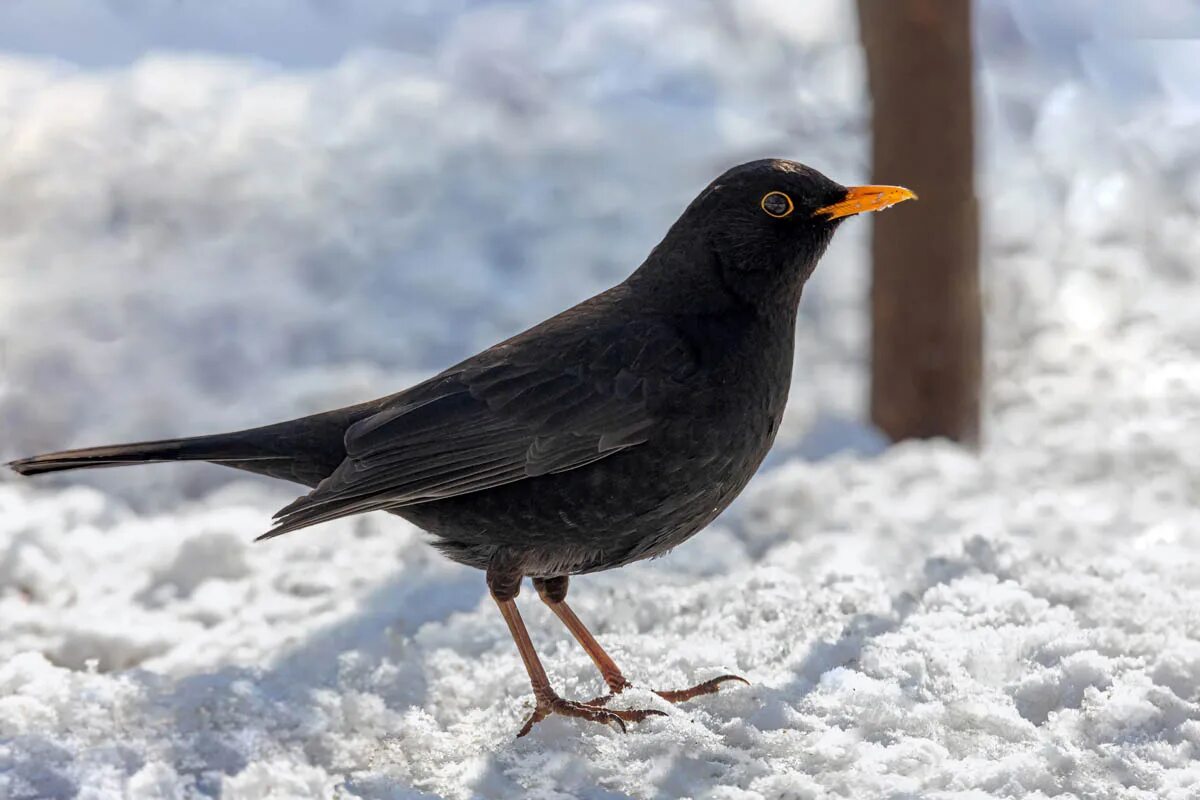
{"points": [[192, 243]]}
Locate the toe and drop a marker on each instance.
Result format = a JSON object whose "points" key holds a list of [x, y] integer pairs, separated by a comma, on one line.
{"points": [[637, 714], [708, 687], [589, 712]]}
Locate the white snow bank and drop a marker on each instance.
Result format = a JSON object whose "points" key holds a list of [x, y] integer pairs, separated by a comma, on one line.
{"points": [[115, 32], [925, 622]]}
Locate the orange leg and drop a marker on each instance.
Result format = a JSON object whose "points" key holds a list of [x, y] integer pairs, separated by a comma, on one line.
{"points": [[553, 592], [547, 700]]}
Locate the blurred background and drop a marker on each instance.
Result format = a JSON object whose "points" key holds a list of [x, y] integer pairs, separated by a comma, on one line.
{"points": [[219, 214], [216, 215]]}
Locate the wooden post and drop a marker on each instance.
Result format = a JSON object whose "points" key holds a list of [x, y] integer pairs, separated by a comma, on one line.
{"points": [[926, 340]]}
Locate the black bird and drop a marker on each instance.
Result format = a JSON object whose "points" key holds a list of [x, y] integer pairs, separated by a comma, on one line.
{"points": [[607, 434]]}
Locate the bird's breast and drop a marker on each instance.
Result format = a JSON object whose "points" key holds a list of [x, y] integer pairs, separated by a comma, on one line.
{"points": [[744, 370]]}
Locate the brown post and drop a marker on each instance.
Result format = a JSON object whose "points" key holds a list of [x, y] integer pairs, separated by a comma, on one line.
{"points": [[926, 340]]}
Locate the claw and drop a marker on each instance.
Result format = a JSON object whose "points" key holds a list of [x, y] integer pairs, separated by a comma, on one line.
{"points": [[589, 711], [708, 687], [636, 714], [672, 695]]}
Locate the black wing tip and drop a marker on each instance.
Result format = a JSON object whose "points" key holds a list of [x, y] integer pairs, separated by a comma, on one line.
{"points": [[22, 466], [290, 509], [284, 525], [37, 465]]}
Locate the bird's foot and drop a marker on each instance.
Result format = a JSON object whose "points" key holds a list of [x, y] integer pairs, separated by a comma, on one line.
{"points": [[589, 711], [670, 695]]}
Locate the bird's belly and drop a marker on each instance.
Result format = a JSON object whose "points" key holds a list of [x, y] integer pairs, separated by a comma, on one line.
{"points": [[632, 505]]}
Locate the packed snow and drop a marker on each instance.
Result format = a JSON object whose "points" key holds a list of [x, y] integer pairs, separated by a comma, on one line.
{"points": [[266, 227]]}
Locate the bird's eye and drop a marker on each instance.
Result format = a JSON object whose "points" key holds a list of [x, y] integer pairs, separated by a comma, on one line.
{"points": [[777, 204]]}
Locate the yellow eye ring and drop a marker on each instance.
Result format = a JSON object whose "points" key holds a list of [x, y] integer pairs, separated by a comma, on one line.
{"points": [[772, 205]]}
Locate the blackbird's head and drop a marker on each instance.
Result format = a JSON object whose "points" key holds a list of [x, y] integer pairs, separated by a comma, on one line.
{"points": [[764, 224]]}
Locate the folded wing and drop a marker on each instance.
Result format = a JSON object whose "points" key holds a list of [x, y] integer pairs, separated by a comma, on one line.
{"points": [[500, 418]]}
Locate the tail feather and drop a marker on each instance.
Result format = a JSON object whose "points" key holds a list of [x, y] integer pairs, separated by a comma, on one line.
{"points": [[200, 448], [303, 450]]}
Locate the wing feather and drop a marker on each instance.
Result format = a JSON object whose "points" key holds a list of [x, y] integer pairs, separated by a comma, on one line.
{"points": [[490, 422]]}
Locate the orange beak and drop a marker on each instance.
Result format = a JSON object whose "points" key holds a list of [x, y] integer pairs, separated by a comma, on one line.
{"points": [[860, 199]]}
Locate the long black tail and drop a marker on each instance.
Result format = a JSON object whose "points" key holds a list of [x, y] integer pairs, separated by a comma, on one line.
{"points": [[227, 447], [302, 450]]}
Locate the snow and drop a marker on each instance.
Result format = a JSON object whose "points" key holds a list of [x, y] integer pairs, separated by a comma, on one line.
{"points": [[267, 226]]}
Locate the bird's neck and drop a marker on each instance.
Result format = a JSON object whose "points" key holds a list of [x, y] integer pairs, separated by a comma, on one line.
{"points": [[688, 288], [686, 273]]}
